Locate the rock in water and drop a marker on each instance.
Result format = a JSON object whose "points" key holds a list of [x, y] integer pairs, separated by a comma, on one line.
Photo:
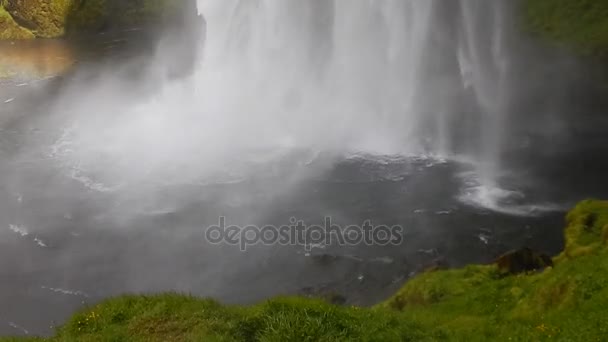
{"points": [[523, 260]]}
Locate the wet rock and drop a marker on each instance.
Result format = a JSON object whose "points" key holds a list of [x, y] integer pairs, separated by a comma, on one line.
{"points": [[324, 259], [436, 264], [523, 260], [336, 299]]}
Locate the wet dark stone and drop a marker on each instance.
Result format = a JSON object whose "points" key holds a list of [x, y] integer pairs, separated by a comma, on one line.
{"points": [[523, 260]]}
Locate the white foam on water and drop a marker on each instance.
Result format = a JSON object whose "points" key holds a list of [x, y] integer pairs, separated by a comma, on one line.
{"points": [[89, 183], [384, 260], [65, 291], [484, 238], [21, 230], [40, 243], [492, 197], [18, 327]]}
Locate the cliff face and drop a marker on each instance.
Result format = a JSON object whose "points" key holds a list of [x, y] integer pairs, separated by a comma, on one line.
{"points": [[9, 29], [23, 19]]}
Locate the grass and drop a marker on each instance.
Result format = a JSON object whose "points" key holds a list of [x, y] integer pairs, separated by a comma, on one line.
{"points": [[565, 303], [581, 25]]}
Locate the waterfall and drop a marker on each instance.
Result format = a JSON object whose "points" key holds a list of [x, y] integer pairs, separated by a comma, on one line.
{"points": [[378, 76]]}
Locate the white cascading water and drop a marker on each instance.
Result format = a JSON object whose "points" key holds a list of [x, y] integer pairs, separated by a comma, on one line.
{"points": [[384, 76], [373, 76]]}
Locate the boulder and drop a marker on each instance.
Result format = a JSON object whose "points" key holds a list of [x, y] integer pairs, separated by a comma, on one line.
{"points": [[324, 293], [522, 261]]}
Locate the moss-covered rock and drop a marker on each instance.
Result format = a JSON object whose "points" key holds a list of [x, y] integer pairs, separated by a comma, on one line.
{"points": [[44, 18], [523, 260], [9, 29]]}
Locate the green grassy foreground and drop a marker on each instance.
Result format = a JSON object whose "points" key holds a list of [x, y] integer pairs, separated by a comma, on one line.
{"points": [[568, 302], [582, 25]]}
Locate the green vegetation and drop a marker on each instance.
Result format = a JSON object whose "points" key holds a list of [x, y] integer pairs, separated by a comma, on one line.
{"points": [[566, 302], [580, 24]]}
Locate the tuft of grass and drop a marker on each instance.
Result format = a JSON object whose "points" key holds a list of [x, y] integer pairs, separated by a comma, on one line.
{"points": [[476, 303], [587, 229]]}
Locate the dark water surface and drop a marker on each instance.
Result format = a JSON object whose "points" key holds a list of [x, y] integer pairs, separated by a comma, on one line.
{"points": [[66, 242]]}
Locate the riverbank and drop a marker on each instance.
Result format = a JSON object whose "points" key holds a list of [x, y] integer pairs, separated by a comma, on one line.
{"points": [[475, 303]]}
